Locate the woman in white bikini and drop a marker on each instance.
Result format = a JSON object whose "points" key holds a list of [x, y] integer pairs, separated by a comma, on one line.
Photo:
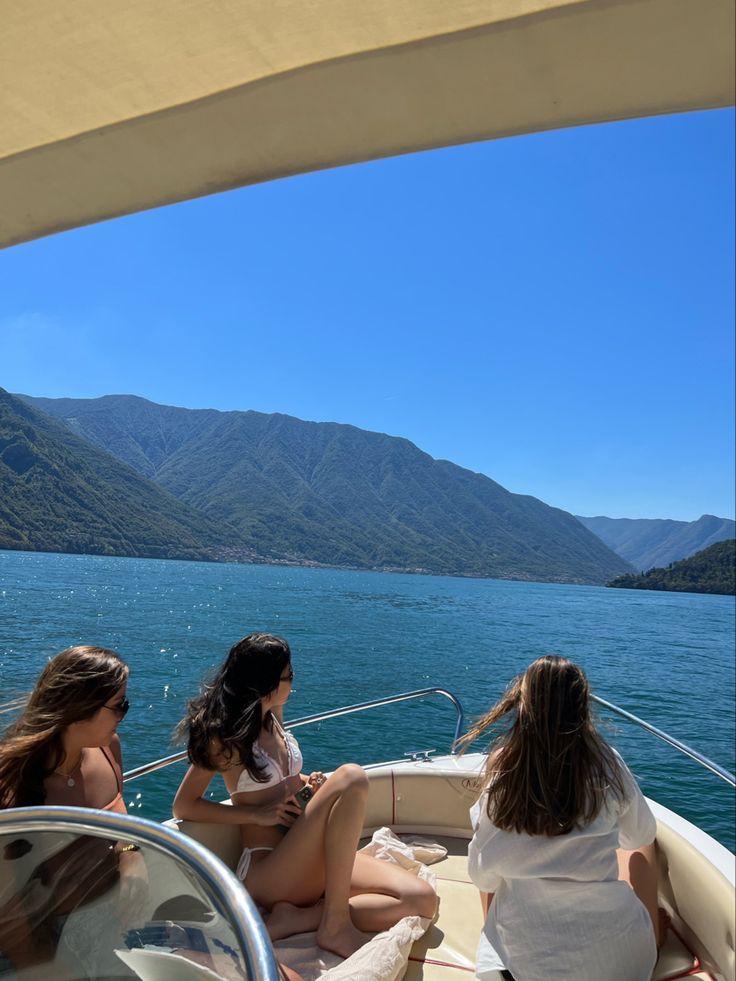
{"points": [[311, 877]]}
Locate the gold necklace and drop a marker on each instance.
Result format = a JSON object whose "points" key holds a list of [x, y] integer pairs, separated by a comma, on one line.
{"points": [[70, 781]]}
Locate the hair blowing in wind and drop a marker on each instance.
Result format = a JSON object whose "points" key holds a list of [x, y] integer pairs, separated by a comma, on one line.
{"points": [[549, 770]]}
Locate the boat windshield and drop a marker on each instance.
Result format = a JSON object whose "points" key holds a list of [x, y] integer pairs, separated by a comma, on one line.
{"points": [[87, 894]]}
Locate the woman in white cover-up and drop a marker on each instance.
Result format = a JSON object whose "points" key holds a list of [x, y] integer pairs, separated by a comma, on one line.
{"points": [[558, 803]]}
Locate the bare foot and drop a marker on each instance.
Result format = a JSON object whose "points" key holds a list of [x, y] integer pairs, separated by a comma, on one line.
{"points": [[285, 920], [343, 939], [663, 924]]}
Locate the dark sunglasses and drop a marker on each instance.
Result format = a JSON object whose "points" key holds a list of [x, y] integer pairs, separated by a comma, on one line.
{"points": [[121, 707]]}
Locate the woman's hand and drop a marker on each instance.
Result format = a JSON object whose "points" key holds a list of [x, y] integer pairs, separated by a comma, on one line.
{"points": [[284, 811], [315, 780]]}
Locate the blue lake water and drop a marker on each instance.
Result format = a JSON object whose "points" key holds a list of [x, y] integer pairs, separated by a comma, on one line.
{"points": [[668, 657]]}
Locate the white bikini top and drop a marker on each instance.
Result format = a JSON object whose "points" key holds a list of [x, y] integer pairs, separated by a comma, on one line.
{"points": [[273, 770]]}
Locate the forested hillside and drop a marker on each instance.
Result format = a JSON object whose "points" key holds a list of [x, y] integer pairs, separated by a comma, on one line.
{"points": [[336, 495], [58, 493], [711, 571]]}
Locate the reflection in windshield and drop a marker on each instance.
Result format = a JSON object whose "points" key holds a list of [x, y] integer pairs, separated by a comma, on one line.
{"points": [[92, 907]]}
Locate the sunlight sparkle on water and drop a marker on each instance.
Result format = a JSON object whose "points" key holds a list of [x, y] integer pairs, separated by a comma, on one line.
{"points": [[668, 658]]}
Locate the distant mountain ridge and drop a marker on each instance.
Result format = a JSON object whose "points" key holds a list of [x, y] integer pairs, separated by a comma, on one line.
{"points": [[59, 493], [650, 542], [712, 570], [337, 495]]}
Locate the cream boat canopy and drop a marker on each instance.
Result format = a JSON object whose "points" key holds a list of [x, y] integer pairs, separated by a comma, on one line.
{"points": [[114, 106]]}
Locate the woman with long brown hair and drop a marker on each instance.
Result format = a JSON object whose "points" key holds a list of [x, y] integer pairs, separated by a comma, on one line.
{"points": [[557, 805], [63, 749], [311, 877]]}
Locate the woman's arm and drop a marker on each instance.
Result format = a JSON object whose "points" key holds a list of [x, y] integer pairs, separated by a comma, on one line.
{"points": [[190, 805]]}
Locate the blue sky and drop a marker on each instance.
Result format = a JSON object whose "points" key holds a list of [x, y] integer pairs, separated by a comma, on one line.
{"points": [[555, 311]]}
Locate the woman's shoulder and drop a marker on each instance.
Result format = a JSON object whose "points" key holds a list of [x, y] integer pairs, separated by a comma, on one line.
{"points": [[620, 768], [115, 750], [623, 787]]}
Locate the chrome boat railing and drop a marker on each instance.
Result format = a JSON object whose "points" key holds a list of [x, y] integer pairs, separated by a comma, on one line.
{"points": [[306, 720], [223, 887], [670, 740], [681, 747]]}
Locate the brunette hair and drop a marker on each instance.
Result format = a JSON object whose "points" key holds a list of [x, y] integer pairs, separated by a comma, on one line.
{"points": [[550, 771], [223, 723], [71, 688]]}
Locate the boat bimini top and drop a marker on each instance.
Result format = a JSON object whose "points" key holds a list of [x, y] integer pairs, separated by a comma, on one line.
{"points": [[113, 106]]}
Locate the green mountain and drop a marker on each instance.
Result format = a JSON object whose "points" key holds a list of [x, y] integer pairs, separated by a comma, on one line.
{"points": [[711, 571], [648, 542], [336, 495], [59, 493]]}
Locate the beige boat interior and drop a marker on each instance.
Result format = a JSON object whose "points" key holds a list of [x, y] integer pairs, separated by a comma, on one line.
{"points": [[698, 896]]}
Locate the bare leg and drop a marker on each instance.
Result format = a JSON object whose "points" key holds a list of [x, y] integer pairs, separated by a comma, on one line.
{"points": [[639, 869], [383, 893], [316, 857], [286, 920], [486, 898], [287, 973], [336, 931]]}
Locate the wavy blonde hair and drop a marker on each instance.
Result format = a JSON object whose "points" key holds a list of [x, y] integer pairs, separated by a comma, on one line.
{"points": [[71, 688], [549, 771]]}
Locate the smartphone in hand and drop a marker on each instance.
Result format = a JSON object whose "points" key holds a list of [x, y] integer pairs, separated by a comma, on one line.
{"points": [[301, 797], [304, 795]]}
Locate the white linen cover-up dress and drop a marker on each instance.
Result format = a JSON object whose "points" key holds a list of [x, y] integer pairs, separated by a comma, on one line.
{"points": [[559, 911]]}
